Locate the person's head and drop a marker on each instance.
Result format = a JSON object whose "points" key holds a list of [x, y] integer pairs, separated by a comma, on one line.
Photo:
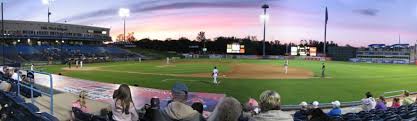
{"points": [[229, 109], [381, 98], [5, 86], [198, 106], [304, 105], [215, 67], [336, 104], [124, 96], [81, 98], [270, 100], [406, 93], [179, 92], [368, 94], [396, 100], [315, 104]]}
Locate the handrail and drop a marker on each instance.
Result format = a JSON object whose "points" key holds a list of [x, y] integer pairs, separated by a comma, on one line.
{"points": [[51, 89]]}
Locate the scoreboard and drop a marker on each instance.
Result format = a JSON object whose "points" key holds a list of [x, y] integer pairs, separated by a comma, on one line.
{"points": [[235, 48], [303, 51]]}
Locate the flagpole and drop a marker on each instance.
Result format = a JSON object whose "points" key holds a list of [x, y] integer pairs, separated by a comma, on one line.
{"points": [[325, 33]]}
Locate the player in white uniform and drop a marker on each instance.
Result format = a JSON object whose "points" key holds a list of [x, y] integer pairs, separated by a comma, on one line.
{"points": [[286, 66], [215, 74]]}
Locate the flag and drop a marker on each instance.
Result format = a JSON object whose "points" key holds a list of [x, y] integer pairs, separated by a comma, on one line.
{"points": [[327, 16]]}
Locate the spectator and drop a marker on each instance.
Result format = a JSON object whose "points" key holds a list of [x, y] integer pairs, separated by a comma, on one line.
{"points": [[318, 115], [80, 102], [270, 103], [381, 104], [396, 102], [335, 111], [229, 109], [5, 86], [15, 75], [123, 108], [303, 112], [407, 99], [177, 109], [368, 103], [198, 106], [315, 105]]}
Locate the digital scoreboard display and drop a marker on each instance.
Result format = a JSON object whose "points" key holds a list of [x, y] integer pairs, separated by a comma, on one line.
{"points": [[235, 48], [303, 51]]}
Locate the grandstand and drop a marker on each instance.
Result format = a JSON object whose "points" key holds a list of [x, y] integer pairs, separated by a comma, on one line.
{"points": [[29, 41]]}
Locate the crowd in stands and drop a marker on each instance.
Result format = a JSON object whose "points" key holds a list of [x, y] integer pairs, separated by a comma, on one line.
{"points": [[267, 108]]}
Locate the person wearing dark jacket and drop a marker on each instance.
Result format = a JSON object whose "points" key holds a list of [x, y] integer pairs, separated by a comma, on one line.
{"points": [[318, 115]]}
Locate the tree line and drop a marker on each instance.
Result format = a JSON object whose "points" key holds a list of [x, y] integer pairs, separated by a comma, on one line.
{"points": [[218, 45]]}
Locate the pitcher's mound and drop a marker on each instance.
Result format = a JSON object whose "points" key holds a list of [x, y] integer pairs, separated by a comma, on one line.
{"points": [[260, 71]]}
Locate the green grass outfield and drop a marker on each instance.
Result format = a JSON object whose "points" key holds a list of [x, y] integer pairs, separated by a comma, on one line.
{"points": [[347, 81]]}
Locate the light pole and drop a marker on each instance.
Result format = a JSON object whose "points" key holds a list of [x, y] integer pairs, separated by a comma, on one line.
{"points": [[2, 33], [264, 17], [124, 12], [48, 3]]}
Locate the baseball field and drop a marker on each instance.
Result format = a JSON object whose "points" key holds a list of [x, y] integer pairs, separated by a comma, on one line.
{"points": [[247, 78]]}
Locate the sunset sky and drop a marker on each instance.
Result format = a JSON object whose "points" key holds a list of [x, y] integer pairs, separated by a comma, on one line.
{"points": [[354, 22]]}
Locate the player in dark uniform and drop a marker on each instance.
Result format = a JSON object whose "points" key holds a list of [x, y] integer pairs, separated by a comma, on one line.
{"points": [[323, 68]]}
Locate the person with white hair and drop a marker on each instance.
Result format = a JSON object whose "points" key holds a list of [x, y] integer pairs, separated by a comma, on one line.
{"points": [[228, 109], [315, 105], [270, 103], [303, 112], [335, 111]]}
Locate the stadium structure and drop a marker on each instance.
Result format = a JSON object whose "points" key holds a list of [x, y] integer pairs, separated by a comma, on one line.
{"points": [[27, 41], [381, 53]]}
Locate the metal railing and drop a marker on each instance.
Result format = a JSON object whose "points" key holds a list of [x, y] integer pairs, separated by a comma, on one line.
{"points": [[32, 89]]}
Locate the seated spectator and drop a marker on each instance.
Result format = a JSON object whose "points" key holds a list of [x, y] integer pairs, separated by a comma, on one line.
{"points": [[80, 102], [122, 106], [318, 115], [381, 104], [270, 103], [303, 112], [368, 103], [335, 111], [228, 109], [396, 102], [407, 99], [177, 109], [5, 86], [15, 75], [198, 106]]}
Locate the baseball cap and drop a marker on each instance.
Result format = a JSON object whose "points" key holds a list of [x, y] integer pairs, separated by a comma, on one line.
{"points": [[180, 88], [316, 104], [336, 103], [303, 103]]}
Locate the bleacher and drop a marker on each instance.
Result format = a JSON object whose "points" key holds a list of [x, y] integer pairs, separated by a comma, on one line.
{"points": [[24, 53], [15, 108]]}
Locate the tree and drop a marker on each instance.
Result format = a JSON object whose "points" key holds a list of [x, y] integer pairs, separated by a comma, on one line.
{"points": [[130, 37], [119, 37], [201, 37]]}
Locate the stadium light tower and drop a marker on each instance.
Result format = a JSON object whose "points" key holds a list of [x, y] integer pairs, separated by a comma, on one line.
{"points": [[264, 17], [48, 3], [124, 13]]}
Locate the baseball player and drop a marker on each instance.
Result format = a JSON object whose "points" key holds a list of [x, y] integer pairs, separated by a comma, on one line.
{"points": [[323, 68], [286, 66], [215, 74]]}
